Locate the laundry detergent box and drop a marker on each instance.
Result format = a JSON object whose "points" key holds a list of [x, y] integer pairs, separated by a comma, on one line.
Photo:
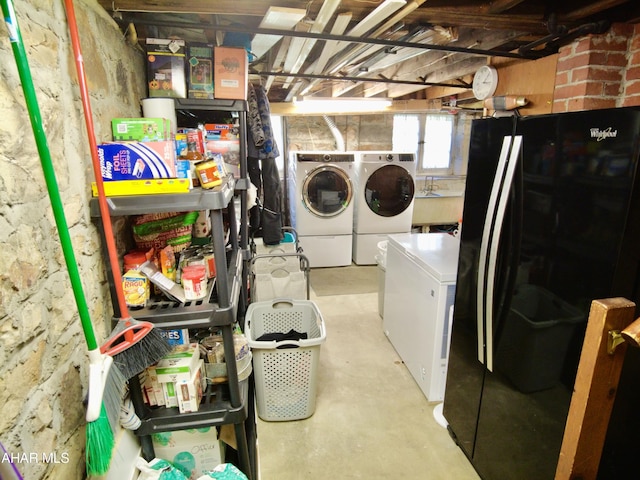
{"points": [[200, 68], [141, 129], [166, 68], [179, 364], [194, 451], [137, 160]]}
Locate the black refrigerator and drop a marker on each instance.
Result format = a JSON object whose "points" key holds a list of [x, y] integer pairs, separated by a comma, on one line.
{"points": [[551, 221]]}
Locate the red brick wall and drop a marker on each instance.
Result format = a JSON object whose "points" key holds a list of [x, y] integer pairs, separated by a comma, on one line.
{"points": [[599, 71]]}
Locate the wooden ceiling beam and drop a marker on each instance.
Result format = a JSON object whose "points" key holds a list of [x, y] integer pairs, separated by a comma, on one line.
{"points": [[500, 6], [592, 8]]}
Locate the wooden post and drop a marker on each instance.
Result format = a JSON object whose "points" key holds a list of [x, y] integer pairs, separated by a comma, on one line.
{"points": [[594, 390]]}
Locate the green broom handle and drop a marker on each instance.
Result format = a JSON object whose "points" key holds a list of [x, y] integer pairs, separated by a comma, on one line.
{"points": [[47, 167]]}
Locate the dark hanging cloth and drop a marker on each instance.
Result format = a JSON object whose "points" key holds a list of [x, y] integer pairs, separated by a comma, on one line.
{"points": [[262, 152]]}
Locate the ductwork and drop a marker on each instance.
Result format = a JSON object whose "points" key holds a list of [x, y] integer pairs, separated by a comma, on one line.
{"points": [[337, 135]]}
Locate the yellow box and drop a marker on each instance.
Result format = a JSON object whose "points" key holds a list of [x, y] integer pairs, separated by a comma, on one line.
{"points": [[143, 187], [231, 70]]}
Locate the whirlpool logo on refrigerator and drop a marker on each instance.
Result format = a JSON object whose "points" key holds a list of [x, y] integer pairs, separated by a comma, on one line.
{"points": [[600, 135]]}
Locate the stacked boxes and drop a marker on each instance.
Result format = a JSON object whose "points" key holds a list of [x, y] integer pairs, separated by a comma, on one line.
{"points": [[177, 70], [224, 140], [177, 380]]}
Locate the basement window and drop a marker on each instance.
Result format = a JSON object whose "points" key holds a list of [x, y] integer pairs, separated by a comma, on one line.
{"points": [[429, 136]]}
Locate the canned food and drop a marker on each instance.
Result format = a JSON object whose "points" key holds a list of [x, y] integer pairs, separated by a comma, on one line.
{"points": [[209, 262], [194, 282]]}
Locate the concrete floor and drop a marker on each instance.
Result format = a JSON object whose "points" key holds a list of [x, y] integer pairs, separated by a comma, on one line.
{"points": [[371, 419]]}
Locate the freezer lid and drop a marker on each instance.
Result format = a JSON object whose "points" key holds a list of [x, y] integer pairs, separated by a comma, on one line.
{"points": [[437, 253]]}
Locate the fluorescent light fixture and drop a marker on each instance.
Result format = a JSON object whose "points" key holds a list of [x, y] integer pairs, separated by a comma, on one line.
{"points": [[340, 104]]}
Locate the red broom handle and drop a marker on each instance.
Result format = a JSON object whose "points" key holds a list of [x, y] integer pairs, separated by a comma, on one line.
{"points": [[97, 170]]}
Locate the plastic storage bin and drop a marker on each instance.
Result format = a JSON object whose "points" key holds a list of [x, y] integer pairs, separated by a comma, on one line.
{"points": [[285, 372], [536, 336]]}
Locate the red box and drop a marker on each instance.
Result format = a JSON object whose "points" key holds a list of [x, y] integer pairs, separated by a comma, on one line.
{"points": [[231, 70]]}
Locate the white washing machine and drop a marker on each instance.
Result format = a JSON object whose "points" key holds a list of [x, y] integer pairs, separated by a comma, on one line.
{"points": [[321, 205], [385, 187]]}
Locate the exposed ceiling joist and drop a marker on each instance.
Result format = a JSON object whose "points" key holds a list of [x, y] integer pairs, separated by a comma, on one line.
{"points": [[375, 56]]}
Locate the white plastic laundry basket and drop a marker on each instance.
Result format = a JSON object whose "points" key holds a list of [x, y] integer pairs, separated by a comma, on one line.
{"points": [[285, 372]]}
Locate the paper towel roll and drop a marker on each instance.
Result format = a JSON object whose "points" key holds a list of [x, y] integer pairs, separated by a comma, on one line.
{"points": [[160, 108]]}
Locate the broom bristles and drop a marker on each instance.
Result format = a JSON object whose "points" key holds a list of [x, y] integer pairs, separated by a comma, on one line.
{"points": [[114, 391], [99, 445], [142, 354]]}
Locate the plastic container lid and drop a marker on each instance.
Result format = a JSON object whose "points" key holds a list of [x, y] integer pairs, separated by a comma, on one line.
{"points": [[133, 260]]}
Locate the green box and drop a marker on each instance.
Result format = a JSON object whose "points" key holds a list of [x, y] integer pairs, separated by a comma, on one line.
{"points": [[200, 70], [141, 129]]}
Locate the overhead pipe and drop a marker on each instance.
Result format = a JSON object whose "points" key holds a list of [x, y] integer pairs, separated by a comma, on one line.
{"points": [[560, 35], [327, 36], [596, 28]]}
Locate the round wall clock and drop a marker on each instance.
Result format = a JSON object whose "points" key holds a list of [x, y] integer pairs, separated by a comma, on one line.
{"points": [[485, 82]]}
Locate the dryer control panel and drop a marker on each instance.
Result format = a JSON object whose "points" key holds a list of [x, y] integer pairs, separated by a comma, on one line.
{"points": [[382, 157], [325, 157]]}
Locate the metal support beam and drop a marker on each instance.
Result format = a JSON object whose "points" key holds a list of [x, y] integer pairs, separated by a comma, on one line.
{"points": [[360, 79]]}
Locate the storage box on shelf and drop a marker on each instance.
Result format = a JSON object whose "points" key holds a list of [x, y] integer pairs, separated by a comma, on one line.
{"points": [[222, 403]]}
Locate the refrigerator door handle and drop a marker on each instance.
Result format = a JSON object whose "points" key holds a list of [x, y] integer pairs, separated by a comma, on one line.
{"points": [[514, 155], [487, 234]]}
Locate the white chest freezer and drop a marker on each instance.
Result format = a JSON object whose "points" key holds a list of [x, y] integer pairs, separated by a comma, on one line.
{"points": [[418, 304]]}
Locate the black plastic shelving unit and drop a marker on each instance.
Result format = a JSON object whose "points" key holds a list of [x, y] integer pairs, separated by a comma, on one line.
{"points": [[224, 403]]}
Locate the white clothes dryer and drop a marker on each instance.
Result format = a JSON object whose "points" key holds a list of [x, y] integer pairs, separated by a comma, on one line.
{"points": [[385, 188], [321, 205]]}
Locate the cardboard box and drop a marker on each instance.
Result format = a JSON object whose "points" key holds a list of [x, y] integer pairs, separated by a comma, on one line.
{"points": [[222, 131], [176, 336], [179, 364], [169, 394], [194, 452], [137, 160], [200, 68], [153, 186], [165, 68], [231, 73], [146, 388], [190, 392], [152, 390], [141, 129]]}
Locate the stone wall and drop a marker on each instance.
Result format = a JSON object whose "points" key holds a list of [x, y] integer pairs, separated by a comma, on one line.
{"points": [[44, 377], [359, 132]]}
